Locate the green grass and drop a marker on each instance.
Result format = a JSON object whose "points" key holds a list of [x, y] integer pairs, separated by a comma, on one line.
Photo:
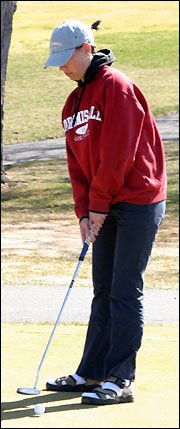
{"points": [[39, 190], [156, 388], [40, 232], [144, 39]]}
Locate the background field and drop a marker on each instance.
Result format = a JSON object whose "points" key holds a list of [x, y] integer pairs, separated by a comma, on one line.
{"points": [[142, 34], [40, 233]]}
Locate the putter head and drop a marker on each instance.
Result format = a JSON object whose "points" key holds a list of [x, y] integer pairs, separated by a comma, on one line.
{"points": [[28, 391]]}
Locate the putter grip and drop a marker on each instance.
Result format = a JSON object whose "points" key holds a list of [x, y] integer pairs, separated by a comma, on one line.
{"points": [[85, 247]]}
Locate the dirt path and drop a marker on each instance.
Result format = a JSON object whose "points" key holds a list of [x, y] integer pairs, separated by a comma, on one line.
{"points": [[48, 239]]}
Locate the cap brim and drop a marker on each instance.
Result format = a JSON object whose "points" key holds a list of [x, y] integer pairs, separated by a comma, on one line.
{"points": [[58, 59]]}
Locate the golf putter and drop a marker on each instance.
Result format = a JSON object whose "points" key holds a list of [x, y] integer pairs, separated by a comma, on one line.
{"points": [[34, 390]]}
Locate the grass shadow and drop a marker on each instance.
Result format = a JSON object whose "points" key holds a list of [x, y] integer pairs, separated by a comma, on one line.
{"points": [[13, 409]]}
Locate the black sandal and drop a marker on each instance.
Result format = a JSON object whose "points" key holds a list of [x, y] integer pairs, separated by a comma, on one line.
{"points": [[108, 396], [71, 385]]}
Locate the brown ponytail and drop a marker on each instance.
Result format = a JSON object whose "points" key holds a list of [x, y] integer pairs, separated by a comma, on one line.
{"points": [[96, 25]]}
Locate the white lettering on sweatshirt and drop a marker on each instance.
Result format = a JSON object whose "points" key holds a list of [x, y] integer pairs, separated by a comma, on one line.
{"points": [[82, 117]]}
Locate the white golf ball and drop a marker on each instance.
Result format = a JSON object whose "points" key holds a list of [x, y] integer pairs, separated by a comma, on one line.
{"points": [[39, 409]]}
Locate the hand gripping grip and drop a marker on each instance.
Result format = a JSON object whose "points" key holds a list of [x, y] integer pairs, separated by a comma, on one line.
{"points": [[86, 245]]}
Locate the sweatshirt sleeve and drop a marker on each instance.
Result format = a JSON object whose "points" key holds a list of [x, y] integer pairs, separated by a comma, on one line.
{"points": [[80, 185], [122, 126]]}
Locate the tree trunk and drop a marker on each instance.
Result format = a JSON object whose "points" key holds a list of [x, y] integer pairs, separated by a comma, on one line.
{"points": [[7, 11]]}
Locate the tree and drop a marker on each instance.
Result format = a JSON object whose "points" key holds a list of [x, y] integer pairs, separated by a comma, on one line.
{"points": [[7, 11]]}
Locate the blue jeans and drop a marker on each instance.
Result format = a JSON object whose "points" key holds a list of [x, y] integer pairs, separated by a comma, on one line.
{"points": [[120, 256]]}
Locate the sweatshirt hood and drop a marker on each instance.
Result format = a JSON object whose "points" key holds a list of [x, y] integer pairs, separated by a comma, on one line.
{"points": [[100, 59]]}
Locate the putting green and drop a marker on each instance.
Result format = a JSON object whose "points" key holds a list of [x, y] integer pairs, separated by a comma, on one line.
{"points": [[156, 388]]}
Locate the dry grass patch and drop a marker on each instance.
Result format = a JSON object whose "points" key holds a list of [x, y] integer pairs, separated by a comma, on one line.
{"points": [[40, 233]]}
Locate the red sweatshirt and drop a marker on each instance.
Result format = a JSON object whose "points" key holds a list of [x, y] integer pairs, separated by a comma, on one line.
{"points": [[114, 150]]}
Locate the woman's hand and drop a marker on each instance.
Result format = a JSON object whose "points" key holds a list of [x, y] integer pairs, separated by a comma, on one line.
{"points": [[96, 221], [84, 228], [93, 223]]}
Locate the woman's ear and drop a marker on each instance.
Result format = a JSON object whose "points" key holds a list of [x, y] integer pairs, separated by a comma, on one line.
{"points": [[87, 48]]}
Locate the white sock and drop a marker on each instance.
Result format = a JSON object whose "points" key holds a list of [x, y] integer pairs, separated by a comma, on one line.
{"points": [[112, 386], [108, 385], [79, 380]]}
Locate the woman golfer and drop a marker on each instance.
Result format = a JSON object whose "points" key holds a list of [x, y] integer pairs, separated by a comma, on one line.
{"points": [[117, 169]]}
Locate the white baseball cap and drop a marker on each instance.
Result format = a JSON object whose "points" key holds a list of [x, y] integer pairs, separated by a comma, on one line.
{"points": [[65, 38]]}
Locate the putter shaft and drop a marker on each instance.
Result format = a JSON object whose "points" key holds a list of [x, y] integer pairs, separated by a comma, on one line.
{"points": [[81, 258]]}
